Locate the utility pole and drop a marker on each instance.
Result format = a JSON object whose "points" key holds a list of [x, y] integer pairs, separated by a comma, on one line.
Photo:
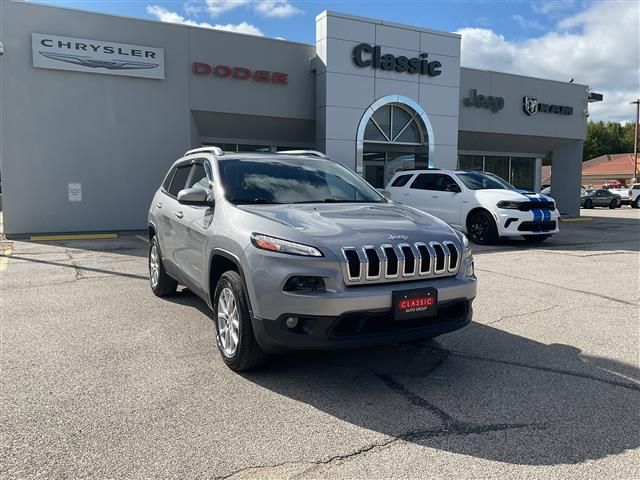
{"points": [[635, 141]]}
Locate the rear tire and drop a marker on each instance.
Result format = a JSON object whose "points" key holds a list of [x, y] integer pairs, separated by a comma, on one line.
{"points": [[613, 204], [536, 238], [234, 333], [162, 284], [482, 228], [636, 204]]}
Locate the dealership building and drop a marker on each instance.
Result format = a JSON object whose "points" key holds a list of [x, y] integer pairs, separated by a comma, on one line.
{"points": [[96, 107]]}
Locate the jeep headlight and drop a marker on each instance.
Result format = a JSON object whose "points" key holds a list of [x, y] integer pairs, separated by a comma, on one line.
{"points": [[509, 204], [467, 257], [273, 244]]}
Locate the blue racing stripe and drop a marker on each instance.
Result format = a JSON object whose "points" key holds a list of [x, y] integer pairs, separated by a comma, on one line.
{"points": [[546, 215]]}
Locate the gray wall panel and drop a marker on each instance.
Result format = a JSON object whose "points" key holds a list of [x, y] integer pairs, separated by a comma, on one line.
{"points": [[102, 131]]}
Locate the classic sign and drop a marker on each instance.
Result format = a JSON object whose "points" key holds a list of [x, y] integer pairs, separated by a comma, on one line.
{"points": [[96, 56], [365, 55], [495, 104], [530, 105]]}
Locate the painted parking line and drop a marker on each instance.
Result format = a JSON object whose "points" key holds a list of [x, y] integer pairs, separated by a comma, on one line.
{"points": [[84, 236], [4, 259], [144, 239]]}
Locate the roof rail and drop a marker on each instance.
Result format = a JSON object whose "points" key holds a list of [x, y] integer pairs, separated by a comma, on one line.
{"points": [[208, 149], [313, 153]]}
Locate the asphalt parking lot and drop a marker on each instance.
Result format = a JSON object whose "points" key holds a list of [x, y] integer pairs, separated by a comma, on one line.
{"points": [[100, 379]]}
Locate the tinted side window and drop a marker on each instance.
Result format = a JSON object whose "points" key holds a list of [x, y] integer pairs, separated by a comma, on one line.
{"points": [[401, 181], [198, 177], [179, 180], [424, 181], [168, 178], [442, 182]]}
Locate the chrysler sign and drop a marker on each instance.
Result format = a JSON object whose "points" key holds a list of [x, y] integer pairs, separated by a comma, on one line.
{"points": [[96, 56]]}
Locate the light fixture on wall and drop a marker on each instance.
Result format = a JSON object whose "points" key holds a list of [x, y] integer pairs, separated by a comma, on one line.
{"points": [[1, 48]]}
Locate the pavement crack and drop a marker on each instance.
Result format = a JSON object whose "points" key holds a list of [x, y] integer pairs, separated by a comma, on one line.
{"points": [[574, 290], [540, 310], [447, 420], [586, 376], [75, 265]]}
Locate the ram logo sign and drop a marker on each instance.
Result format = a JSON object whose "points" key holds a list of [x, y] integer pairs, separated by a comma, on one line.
{"points": [[96, 56]]}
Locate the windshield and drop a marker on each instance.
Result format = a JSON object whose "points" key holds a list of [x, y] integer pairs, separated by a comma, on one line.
{"points": [[299, 180], [483, 181]]}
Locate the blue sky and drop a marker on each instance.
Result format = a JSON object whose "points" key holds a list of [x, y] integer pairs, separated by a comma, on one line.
{"points": [[595, 42], [513, 19]]}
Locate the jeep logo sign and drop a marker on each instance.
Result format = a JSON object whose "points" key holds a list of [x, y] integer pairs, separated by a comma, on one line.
{"points": [[96, 56], [495, 104], [365, 55]]}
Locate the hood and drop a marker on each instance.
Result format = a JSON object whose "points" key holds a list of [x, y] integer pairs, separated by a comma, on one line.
{"points": [[515, 195], [356, 225]]}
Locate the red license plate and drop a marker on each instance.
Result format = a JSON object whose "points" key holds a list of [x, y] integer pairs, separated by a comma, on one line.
{"points": [[409, 304]]}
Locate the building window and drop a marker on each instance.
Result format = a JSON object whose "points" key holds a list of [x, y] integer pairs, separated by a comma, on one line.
{"points": [[518, 171], [393, 123], [470, 162]]}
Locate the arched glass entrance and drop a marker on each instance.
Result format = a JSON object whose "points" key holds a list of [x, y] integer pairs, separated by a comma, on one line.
{"points": [[394, 134]]}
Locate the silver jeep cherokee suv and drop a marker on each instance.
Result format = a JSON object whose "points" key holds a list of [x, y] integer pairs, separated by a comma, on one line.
{"points": [[294, 251]]}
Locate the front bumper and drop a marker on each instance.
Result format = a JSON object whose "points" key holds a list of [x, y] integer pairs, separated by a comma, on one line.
{"points": [[515, 223], [358, 328]]}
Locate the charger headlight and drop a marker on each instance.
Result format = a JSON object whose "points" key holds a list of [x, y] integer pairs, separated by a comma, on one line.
{"points": [[280, 245], [508, 204]]}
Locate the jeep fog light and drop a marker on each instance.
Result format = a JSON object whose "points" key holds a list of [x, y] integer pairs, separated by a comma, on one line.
{"points": [[304, 284], [291, 322]]}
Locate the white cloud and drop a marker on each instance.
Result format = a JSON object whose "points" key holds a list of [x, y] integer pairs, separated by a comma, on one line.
{"points": [[276, 8], [218, 7], [527, 23], [552, 7], [168, 16], [598, 47], [243, 27], [265, 8]]}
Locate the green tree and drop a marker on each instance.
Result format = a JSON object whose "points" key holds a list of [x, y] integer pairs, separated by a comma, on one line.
{"points": [[607, 138]]}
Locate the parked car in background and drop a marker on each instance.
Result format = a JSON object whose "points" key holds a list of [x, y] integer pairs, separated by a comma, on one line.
{"points": [[600, 198], [634, 195], [478, 203], [547, 191], [292, 250], [622, 191]]}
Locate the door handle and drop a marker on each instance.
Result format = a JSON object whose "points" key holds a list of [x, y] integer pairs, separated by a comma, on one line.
{"points": [[179, 214], [435, 196], [159, 204]]}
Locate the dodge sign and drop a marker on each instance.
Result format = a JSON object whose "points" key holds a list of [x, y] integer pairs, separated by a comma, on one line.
{"points": [[96, 56]]}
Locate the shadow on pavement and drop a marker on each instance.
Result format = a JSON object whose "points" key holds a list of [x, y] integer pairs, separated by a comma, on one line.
{"points": [[586, 409]]}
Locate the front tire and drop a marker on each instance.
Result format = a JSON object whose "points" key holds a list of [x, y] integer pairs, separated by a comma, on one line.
{"points": [[636, 204], [162, 284], [588, 203], [482, 228], [234, 333], [536, 238]]}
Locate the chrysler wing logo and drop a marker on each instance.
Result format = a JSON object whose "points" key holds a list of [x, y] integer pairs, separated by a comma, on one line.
{"points": [[94, 63], [530, 105]]}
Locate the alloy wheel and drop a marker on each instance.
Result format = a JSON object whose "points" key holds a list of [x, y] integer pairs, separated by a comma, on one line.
{"points": [[154, 265], [228, 321]]}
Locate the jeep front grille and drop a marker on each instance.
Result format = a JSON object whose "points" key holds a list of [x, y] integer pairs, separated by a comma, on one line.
{"points": [[402, 262]]}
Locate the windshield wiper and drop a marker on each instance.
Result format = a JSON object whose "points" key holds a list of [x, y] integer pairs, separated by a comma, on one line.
{"points": [[335, 200]]}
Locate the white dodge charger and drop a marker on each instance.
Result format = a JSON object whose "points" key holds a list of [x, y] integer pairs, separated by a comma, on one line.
{"points": [[480, 204]]}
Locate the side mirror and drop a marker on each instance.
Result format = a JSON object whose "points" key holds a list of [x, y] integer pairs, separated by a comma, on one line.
{"points": [[452, 187], [196, 196], [385, 193]]}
